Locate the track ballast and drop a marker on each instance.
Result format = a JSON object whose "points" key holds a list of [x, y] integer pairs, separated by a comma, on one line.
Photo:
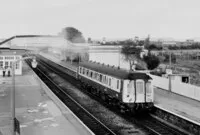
{"points": [[87, 118], [148, 122]]}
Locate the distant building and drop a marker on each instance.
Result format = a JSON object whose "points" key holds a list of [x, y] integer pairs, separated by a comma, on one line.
{"points": [[189, 41], [144, 53], [136, 39], [7, 57], [104, 40], [168, 43]]}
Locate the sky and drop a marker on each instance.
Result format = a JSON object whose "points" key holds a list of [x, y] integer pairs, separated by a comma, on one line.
{"points": [[179, 19]]}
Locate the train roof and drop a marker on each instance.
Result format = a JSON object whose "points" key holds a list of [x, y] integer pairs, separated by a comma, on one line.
{"points": [[114, 71]]}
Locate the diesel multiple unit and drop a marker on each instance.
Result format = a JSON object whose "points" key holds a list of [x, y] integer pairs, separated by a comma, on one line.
{"points": [[130, 90]]}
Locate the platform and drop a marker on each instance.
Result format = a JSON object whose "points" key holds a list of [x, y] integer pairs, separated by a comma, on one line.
{"points": [[181, 106], [37, 109]]}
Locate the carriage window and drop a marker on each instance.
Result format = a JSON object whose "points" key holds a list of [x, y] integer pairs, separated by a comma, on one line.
{"points": [[1, 64], [91, 74], [109, 82], [80, 70], [87, 71], [95, 75], [83, 71], [98, 77], [101, 78], [117, 84], [104, 79]]}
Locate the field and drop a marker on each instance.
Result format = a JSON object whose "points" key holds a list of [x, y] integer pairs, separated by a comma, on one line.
{"points": [[189, 67]]}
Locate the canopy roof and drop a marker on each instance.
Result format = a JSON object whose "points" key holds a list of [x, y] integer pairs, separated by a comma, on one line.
{"points": [[8, 51]]}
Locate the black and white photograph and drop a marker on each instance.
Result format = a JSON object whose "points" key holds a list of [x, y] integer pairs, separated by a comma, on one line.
{"points": [[99, 67]]}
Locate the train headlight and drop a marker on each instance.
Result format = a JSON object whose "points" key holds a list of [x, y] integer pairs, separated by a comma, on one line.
{"points": [[34, 63]]}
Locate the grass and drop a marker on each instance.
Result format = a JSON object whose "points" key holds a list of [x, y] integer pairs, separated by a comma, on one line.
{"points": [[190, 67]]}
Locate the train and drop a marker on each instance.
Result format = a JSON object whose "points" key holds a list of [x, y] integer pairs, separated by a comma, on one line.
{"points": [[130, 90]]}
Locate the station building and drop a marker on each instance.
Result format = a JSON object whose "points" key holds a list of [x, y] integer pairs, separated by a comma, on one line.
{"points": [[11, 49], [7, 57]]}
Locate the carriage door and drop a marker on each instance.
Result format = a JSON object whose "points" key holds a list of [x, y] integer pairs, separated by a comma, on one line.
{"points": [[149, 92], [140, 91], [128, 91]]}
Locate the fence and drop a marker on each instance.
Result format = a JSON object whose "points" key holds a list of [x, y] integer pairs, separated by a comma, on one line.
{"points": [[184, 89]]}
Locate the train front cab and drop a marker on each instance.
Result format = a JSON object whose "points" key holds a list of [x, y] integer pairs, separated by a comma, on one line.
{"points": [[138, 93]]}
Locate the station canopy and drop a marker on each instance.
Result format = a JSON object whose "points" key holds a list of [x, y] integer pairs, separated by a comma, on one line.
{"points": [[8, 51]]}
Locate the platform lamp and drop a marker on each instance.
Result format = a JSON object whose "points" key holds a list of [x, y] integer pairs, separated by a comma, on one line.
{"points": [[15, 123]]}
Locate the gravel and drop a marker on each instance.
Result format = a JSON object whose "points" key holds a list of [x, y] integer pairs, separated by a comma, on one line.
{"points": [[108, 117]]}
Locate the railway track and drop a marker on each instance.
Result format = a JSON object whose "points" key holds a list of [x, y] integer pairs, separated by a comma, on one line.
{"points": [[158, 128], [86, 117], [148, 122]]}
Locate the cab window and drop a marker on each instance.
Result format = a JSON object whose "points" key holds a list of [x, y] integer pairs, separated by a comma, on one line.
{"points": [[140, 86]]}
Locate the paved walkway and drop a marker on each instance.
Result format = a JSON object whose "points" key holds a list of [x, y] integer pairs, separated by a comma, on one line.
{"points": [[183, 106], [37, 112]]}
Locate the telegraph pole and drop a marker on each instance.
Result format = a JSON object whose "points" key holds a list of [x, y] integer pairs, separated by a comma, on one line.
{"points": [[170, 59]]}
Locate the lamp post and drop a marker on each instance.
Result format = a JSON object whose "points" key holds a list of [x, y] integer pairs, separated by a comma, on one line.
{"points": [[34, 65], [119, 53], [170, 59]]}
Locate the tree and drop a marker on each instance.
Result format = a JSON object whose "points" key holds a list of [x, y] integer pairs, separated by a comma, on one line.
{"points": [[89, 40], [140, 42], [147, 42], [132, 55], [152, 61], [152, 47], [73, 35]]}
